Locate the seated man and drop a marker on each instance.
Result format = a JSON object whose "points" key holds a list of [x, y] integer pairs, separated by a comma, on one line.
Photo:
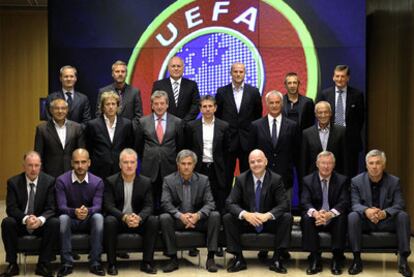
{"points": [[188, 203], [325, 202], [79, 199], [378, 205], [30, 207], [128, 205], [257, 203]]}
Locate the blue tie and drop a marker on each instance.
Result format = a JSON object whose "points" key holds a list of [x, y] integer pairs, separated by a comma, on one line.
{"points": [[257, 201], [69, 100], [339, 110], [325, 195]]}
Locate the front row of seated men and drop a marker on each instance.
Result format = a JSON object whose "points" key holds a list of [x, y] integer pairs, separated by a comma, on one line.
{"points": [[257, 203]]}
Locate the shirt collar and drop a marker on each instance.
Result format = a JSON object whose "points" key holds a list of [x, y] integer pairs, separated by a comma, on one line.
{"points": [[57, 125], [327, 179], [204, 122], [178, 81], [328, 127], [75, 178], [28, 181], [240, 88], [163, 117], [189, 181], [344, 90], [72, 91], [260, 178], [278, 118], [107, 120]]}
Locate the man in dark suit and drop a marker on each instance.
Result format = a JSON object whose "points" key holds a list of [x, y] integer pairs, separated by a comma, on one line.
{"points": [[278, 137], [79, 109], [257, 203], [30, 208], [183, 94], [208, 137], [378, 205], [107, 135], [239, 104], [56, 139], [347, 105], [324, 136], [297, 107], [188, 205], [325, 202], [130, 97], [128, 207], [159, 138]]}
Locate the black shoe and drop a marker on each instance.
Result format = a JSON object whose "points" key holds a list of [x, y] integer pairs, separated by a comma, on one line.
{"points": [[112, 269], [64, 270], [236, 265], [315, 266], [148, 267], [277, 266], [76, 257], [193, 252], [220, 252], [211, 265], [97, 270], [262, 256], [285, 255], [43, 270], [403, 268], [123, 255], [12, 270], [336, 267], [355, 268], [171, 266]]}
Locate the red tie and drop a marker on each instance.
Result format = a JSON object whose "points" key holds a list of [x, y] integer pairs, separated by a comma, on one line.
{"points": [[160, 132]]}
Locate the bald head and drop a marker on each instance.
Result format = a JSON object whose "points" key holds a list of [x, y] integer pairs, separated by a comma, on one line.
{"points": [[257, 162]]}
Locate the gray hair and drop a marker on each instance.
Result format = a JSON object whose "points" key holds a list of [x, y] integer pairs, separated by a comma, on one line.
{"points": [[54, 101], [376, 153], [159, 94], [326, 154], [118, 62], [186, 153], [275, 93], [128, 151], [68, 67], [320, 103]]}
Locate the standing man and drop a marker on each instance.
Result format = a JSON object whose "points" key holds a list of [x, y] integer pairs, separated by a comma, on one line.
{"points": [[79, 109], [56, 139], [325, 203], [183, 94], [257, 203], [208, 137], [238, 104], [347, 105], [159, 138], [79, 196], [297, 107], [188, 205], [128, 205], [378, 205], [130, 98], [30, 208], [324, 136], [107, 135]]}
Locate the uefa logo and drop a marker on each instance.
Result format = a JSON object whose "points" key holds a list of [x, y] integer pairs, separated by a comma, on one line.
{"points": [[267, 36]]}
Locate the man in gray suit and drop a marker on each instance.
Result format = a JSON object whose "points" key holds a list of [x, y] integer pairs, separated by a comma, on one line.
{"points": [[188, 205], [130, 97], [159, 137], [378, 205], [56, 139]]}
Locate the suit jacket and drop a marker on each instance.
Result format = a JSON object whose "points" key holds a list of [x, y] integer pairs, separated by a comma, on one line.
{"points": [[157, 157], [55, 159], [221, 142], [250, 110], [338, 193], [306, 111], [17, 197], [201, 197], [79, 111], [141, 201], [391, 199], [188, 98], [273, 195], [131, 105], [312, 146], [354, 114], [104, 153], [284, 156]]}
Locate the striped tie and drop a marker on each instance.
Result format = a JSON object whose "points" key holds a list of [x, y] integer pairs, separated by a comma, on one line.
{"points": [[176, 91], [339, 110]]}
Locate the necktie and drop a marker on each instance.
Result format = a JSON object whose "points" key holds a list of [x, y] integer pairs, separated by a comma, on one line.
{"points": [[176, 92], [159, 130], [339, 110], [119, 91], [257, 202], [69, 100], [186, 204], [325, 200], [30, 204], [274, 133]]}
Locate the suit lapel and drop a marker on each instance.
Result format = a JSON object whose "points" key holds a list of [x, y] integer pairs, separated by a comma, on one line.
{"points": [[368, 190], [39, 191], [230, 97], [70, 133], [179, 187], [53, 133], [22, 187], [383, 191], [194, 189], [316, 138], [250, 191], [265, 188], [282, 132], [199, 134], [168, 129], [120, 189], [266, 130], [125, 96], [104, 130], [118, 128]]}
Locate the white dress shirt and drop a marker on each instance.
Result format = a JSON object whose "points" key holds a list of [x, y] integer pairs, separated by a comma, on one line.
{"points": [[238, 95], [61, 131], [111, 129], [208, 136]]}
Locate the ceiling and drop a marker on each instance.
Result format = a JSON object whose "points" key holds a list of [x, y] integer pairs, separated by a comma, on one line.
{"points": [[24, 3]]}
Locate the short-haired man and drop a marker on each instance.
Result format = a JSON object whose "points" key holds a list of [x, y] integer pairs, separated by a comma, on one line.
{"points": [[56, 139], [378, 205], [256, 204], [79, 196], [183, 94], [325, 203], [297, 107], [30, 208], [188, 205], [130, 98], [79, 108]]}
